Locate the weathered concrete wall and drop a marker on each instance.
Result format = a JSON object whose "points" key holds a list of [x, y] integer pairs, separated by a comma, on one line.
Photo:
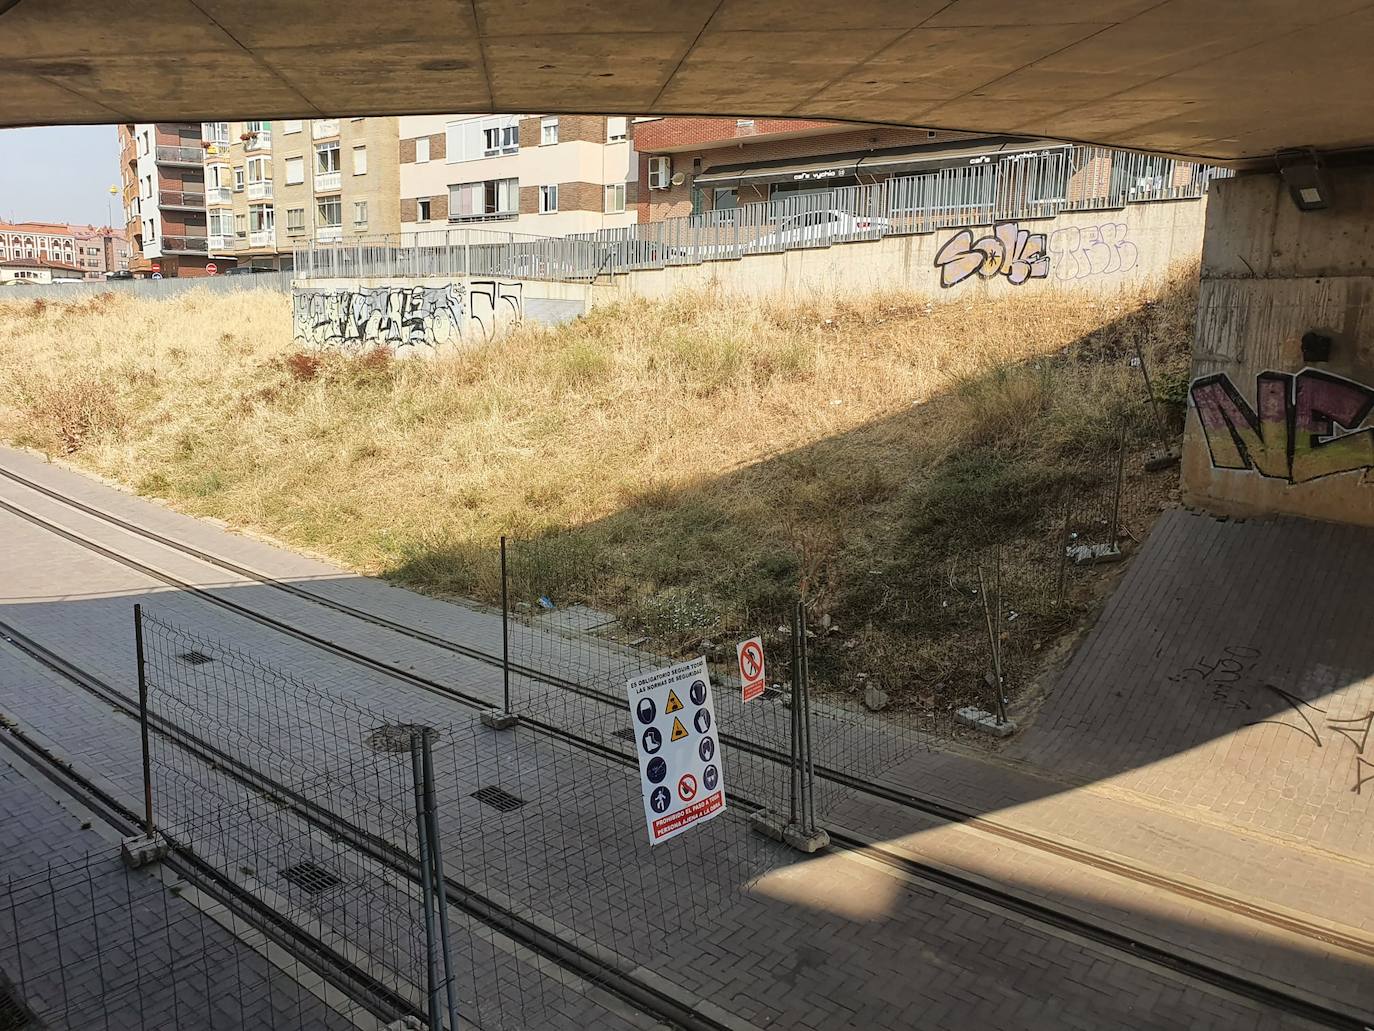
{"points": [[424, 316], [1269, 430], [1098, 252], [152, 289]]}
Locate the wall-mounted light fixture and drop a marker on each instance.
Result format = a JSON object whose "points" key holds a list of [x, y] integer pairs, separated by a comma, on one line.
{"points": [[1307, 184]]}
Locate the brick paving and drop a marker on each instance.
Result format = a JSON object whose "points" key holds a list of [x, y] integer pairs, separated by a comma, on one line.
{"points": [[827, 942]]}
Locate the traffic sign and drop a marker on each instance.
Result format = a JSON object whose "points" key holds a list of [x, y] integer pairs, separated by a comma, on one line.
{"points": [[156, 266], [753, 677], [156, 275], [211, 268], [680, 767]]}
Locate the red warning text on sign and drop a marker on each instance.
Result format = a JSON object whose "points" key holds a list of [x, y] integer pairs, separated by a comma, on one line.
{"points": [[752, 675], [674, 822]]}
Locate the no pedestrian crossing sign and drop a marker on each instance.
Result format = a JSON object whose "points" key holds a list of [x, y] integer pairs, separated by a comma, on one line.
{"points": [[679, 760], [752, 676]]}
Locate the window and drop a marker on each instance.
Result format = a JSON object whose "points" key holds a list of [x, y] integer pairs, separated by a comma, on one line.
{"points": [[548, 199], [548, 131], [259, 169], [422, 209], [725, 198], [327, 158], [238, 178], [295, 170], [240, 225], [261, 218], [257, 127], [143, 142], [215, 132], [290, 127], [360, 213], [492, 198], [295, 220], [615, 129], [360, 161], [615, 198], [147, 187], [217, 176], [221, 223], [329, 212], [422, 150], [500, 139], [660, 172]]}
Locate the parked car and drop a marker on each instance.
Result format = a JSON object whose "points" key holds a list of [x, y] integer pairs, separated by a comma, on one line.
{"points": [[122, 273], [819, 229]]}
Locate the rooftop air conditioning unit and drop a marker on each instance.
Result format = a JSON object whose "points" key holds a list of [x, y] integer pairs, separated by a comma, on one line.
{"points": [[660, 173]]}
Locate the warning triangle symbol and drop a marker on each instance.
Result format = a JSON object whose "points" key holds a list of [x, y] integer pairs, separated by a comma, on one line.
{"points": [[679, 731], [674, 704]]}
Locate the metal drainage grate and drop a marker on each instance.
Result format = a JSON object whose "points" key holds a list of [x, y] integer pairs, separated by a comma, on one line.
{"points": [[395, 737], [195, 658], [311, 877], [624, 733], [13, 1013], [498, 798]]}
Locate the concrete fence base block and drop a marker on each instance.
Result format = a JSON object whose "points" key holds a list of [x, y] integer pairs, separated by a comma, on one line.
{"points": [[499, 719], [141, 850], [1158, 460], [985, 722], [790, 834], [1091, 554]]}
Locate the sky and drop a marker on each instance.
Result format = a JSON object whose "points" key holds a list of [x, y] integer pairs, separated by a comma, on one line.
{"points": [[60, 174]]}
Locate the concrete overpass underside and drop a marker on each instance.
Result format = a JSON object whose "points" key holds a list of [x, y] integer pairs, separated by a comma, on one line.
{"points": [[1225, 80]]}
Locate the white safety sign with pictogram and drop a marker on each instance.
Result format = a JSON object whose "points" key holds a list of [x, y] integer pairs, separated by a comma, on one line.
{"points": [[753, 678], [679, 754]]}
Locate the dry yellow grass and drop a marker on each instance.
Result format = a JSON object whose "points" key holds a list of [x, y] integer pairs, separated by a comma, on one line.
{"points": [[703, 448]]}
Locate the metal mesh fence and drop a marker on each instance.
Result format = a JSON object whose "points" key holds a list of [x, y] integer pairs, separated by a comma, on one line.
{"points": [[90, 943]]}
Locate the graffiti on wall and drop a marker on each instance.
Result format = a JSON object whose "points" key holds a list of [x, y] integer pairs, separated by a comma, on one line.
{"points": [[1303, 427], [1007, 251], [1077, 252], [408, 319]]}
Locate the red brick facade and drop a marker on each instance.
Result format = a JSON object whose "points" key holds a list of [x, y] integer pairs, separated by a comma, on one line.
{"points": [[589, 128]]}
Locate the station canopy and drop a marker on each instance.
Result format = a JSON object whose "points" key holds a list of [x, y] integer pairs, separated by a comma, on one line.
{"points": [[1230, 81]]}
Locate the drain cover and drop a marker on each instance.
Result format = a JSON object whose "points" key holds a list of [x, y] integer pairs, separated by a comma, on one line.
{"points": [[195, 658], [311, 877], [394, 737], [498, 798]]}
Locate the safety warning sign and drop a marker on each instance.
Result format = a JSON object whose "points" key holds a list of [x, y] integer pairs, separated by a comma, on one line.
{"points": [[679, 756], [752, 676]]}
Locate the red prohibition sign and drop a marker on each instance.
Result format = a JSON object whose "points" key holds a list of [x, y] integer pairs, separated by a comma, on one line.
{"points": [[751, 661], [687, 787]]}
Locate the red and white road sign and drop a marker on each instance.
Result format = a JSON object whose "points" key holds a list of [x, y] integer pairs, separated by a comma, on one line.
{"points": [[211, 268], [157, 267], [753, 677]]}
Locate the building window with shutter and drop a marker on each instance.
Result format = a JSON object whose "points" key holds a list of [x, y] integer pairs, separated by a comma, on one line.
{"points": [[295, 171], [548, 131], [360, 214], [615, 199], [548, 199], [295, 221], [422, 150], [360, 160], [422, 209], [616, 129]]}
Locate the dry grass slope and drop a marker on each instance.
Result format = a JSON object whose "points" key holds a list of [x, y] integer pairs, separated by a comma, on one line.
{"points": [[699, 457]]}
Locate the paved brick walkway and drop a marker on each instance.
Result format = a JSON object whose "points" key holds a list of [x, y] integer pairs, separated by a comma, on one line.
{"points": [[830, 942]]}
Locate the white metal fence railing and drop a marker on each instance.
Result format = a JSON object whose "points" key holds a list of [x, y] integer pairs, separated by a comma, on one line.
{"points": [[1022, 185]]}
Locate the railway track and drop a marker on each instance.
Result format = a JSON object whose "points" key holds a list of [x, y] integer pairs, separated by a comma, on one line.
{"points": [[842, 841]]}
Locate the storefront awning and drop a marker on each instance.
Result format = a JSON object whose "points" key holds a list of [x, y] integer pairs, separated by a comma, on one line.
{"points": [[817, 170]]}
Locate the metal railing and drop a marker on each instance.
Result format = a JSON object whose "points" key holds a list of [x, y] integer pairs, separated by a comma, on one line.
{"points": [[995, 188], [181, 155], [219, 195], [180, 199], [260, 190], [184, 244]]}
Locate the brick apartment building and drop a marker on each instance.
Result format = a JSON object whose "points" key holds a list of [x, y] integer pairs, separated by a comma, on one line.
{"points": [[691, 165], [546, 175], [90, 250], [162, 169]]}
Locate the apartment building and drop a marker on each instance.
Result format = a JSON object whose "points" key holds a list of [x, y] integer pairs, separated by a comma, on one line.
{"points": [[162, 168], [545, 175], [91, 250], [273, 185]]}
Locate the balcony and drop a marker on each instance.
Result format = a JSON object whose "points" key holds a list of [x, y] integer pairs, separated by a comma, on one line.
{"points": [[490, 216], [183, 245], [189, 156], [219, 195], [327, 182], [260, 190], [257, 141], [329, 234], [262, 238], [180, 199], [323, 128], [220, 244]]}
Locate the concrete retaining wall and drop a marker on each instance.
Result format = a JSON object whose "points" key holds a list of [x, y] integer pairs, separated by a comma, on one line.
{"points": [[1098, 252], [424, 316], [153, 289], [1271, 429]]}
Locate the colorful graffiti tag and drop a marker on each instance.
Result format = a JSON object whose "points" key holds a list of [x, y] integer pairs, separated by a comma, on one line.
{"points": [[1008, 250], [1303, 426]]}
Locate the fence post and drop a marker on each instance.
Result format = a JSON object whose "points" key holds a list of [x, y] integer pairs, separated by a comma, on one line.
{"points": [[999, 707], [1064, 549], [1116, 496], [436, 858], [422, 841], [505, 631], [796, 718], [809, 771], [148, 827]]}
